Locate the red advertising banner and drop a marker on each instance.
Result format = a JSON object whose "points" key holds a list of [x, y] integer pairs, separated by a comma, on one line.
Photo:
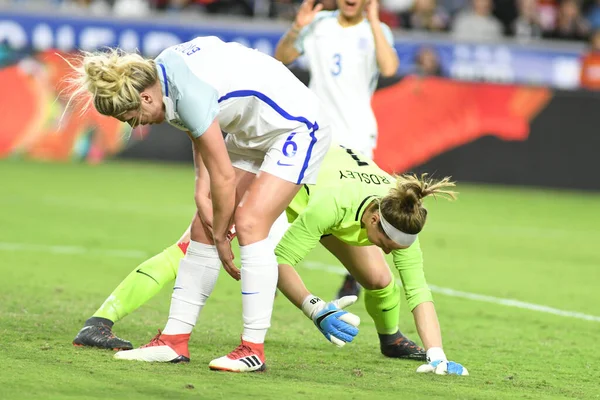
{"points": [[35, 123], [421, 118], [418, 118]]}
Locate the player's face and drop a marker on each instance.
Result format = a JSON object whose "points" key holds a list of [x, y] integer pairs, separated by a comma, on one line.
{"points": [[351, 8], [151, 112], [378, 237]]}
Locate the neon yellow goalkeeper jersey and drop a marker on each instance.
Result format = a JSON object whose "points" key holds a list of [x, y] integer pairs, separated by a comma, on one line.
{"points": [[346, 185]]}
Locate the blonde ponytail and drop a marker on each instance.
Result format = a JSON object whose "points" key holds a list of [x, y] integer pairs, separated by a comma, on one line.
{"points": [[403, 206], [112, 80]]}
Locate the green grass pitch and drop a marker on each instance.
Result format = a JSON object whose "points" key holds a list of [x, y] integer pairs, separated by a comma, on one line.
{"points": [[70, 233]]}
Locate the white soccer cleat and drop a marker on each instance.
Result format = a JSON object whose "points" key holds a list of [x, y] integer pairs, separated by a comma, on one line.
{"points": [[247, 357], [162, 348]]}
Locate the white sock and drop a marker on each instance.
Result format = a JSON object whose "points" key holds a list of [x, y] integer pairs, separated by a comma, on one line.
{"points": [[196, 279], [278, 229], [259, 281]]}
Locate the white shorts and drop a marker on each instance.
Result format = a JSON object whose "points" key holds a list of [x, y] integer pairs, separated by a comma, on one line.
{"points": [[295, 156]]}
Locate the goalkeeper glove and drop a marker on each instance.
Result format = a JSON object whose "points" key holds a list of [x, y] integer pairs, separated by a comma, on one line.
{"points": [[438, 364], [338, 326]]}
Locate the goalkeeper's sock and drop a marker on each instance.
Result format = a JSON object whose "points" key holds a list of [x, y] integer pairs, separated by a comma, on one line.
{"points": [[383, 306], [197, 277], [139, 286], [259, 282]]}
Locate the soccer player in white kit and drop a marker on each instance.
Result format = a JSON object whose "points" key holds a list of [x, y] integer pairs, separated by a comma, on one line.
{"points": [[277, 138], [346, 52]]}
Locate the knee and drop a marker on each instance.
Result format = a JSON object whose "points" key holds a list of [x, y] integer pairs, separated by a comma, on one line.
{"points": [[249, 224], [378, 280]]}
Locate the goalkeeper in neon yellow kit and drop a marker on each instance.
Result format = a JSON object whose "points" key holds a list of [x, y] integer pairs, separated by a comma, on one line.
{"points": [[353, 209], [354, 206]]}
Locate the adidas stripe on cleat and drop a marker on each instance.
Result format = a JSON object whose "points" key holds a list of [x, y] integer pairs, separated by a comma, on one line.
{"points": [[251, 361], [162, 348], [247, 357]]}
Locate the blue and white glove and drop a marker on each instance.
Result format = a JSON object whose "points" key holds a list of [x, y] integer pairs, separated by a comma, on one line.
{"points": [[337, 325], [438, 364]]}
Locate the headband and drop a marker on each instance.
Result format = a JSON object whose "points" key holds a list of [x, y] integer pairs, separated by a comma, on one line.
{"points": [[399, 237]]}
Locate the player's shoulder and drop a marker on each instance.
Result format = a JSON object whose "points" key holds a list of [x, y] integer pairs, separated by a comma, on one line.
{"points": [[385, 26], [173, 57], [324, 19], [387, 32], [366, 26], [173, 65], [178, 52], [325, 15]]}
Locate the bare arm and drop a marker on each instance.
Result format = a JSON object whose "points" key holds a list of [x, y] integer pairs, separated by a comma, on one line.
{"points": [[428, 325], [202, 188], [291, 285], [285, 50], [387, 59], [213, 152]]}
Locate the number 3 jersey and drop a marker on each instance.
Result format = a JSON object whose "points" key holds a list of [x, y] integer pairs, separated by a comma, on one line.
{"points": [[254, 96], [347, 183], [344, 74]]}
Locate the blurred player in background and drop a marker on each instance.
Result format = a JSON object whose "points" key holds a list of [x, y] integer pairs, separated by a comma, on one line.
{"points": [[277, 138], [346, 51]]}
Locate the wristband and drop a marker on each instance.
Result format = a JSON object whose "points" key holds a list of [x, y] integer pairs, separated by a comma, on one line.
{"points": [[311, 304], [435, 354]]}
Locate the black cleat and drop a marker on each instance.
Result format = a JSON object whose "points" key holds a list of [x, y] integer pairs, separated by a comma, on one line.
{"points": [[100, 336], [349, 288], [401, 347]]}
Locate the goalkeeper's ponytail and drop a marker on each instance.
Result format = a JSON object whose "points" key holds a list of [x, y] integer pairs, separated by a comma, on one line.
{"points": [[403, 206]]}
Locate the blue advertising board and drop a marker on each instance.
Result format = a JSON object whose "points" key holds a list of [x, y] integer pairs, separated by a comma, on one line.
{"points": [[502, 62]]}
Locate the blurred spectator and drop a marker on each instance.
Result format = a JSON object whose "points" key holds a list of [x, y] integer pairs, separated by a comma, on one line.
{"points": [[396, 6], [426, 15], [230, 7], [390, 11], [131, 8], [590, 64], [478, 23], [93, 7], [593, 15], [527, 25], [453, 7], [506, 11], [569, 22], [427, 63], [286, 9], [283, 9], [547, 11], [177, 5]]}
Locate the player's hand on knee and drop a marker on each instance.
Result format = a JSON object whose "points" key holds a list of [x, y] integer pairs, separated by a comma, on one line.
{"points": [[443, 367], [337, 325]]}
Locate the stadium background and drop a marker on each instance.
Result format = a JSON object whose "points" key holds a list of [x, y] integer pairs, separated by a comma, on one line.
{"points": [[499, 112], [513, 264]]}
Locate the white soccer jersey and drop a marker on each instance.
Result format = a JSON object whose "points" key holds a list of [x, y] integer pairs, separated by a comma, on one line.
{"points": [[254, 96], [344, 74], [274, 122]]}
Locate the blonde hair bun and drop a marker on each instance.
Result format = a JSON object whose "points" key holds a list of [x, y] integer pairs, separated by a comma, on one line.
{"points": [[113, 80]]}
